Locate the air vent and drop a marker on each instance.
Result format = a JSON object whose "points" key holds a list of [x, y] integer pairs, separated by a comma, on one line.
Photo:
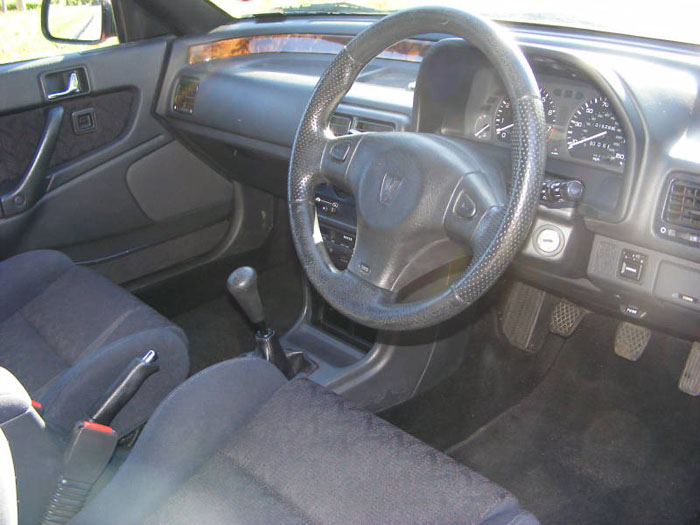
{"points": [[185, 95], [365, 125], [683, 205], [340, 125], [343, 125]]}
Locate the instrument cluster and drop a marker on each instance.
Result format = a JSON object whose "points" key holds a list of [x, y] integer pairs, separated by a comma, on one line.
{"points": [[582, 124]]}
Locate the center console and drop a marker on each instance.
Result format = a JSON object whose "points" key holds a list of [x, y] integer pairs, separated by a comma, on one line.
{"points": [[337, 221]]}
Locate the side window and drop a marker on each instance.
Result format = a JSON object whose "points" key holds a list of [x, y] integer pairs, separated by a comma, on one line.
{"points": [[75, 25]]}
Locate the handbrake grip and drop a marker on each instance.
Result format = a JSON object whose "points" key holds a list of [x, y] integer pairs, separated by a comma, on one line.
{"points": [[124, 388]]}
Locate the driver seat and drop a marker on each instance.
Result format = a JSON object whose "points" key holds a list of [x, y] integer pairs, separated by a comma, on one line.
{"points": [[238, 443]]}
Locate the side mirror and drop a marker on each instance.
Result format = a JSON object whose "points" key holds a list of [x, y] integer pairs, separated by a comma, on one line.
{"points": [[77, 21]]}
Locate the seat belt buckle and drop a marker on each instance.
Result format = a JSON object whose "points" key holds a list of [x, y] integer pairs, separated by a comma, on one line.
{"points": [[89, 450]]}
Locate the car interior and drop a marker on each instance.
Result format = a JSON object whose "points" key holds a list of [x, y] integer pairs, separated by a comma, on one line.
{"points": [[339, 263]]}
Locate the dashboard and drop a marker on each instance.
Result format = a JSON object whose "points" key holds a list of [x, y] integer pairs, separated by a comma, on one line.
{"points": [[618, 228]]}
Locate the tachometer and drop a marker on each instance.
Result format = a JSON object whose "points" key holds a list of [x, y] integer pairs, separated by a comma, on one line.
{"points": [[504, 115], [594, 133]]}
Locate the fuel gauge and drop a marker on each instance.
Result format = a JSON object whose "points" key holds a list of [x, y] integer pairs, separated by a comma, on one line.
{"points": [[482, 127]]}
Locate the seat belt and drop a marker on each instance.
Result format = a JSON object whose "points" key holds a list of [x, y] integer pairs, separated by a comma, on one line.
{"points": [[93, 441]]}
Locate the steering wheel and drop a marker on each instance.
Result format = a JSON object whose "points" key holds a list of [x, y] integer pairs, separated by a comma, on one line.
{"points": [[416, 193]]}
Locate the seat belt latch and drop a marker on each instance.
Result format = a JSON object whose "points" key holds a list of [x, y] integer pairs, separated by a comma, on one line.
{"points": [[89, 450]]}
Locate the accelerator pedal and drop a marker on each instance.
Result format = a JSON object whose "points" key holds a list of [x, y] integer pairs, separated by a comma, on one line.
{"points": [[566, 318], [631, 340], [520, 315], [690, 378]]}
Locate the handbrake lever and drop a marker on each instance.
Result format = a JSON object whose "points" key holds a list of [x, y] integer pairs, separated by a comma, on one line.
{"points": [[124, 388]]}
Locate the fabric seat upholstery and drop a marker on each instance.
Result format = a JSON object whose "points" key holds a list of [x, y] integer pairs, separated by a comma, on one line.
{"points": [[67, 333], [238, 444], [8, 489]]}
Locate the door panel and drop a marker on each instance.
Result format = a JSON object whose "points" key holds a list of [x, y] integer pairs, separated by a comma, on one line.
{"points": [[20, 132], [122, 188]]}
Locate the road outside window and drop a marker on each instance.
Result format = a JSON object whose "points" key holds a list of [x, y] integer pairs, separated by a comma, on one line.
{"points": [[20, 28]]}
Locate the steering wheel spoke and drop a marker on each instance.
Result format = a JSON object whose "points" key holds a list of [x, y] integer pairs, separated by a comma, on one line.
{"points": [[368, 291], [478, 199], [338, 153]]}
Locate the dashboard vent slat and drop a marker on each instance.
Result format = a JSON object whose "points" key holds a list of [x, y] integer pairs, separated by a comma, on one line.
{"points": [[683, 204], [185, 95], [340, 125], [343, 125], [365, 125]]}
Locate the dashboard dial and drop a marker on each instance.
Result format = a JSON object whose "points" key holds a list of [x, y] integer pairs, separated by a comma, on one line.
{"points": [[503, 120], [482, 127], [594, 134]]}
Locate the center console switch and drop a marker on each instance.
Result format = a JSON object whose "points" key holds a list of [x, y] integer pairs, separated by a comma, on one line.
{"points": [[337, 221]]}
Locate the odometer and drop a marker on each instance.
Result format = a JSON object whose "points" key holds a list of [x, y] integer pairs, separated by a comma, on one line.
{"points": [[594, 134]]}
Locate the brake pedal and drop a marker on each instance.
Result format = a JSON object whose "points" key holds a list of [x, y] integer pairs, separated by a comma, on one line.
{"points": [[690, 378], [566, 318], [520, 314], [631, 340]]}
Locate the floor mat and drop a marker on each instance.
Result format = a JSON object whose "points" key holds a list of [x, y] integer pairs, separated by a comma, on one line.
{"points": [[601, 439], [493, 376], [218, 330]]}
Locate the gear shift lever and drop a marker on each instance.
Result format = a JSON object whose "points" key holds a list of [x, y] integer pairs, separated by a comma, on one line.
{"points": [[242, 284]]}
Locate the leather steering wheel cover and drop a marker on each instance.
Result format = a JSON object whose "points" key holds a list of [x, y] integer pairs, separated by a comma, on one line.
{"points": [[504, 233]]}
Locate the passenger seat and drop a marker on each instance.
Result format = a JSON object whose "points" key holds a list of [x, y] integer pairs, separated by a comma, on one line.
{"points": [[67, 333]]}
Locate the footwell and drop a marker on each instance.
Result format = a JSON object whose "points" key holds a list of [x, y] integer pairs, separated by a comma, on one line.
{"points": [[601, 439]]}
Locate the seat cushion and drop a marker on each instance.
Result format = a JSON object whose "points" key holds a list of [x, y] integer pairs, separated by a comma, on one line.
{"points": [[67, 333], [297, 453]]}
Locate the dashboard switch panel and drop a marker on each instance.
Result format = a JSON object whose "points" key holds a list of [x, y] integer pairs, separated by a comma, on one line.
{"points": [[558, 192], [632, 265], [337, 221]]}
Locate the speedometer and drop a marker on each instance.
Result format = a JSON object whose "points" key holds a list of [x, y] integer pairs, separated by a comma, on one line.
{"points": [[594, 134]]}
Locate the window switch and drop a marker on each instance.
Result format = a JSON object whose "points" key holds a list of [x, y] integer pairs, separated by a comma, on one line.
{"points": [[84, 121]]}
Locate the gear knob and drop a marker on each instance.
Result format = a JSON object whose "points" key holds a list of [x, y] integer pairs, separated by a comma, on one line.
{"points": [[243, 285]]}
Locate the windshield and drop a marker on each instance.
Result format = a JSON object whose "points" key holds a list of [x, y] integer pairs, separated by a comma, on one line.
{"points": [[675, 20]]}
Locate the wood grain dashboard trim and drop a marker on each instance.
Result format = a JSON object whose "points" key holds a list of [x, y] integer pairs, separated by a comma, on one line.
{"points": [[411, 50]]}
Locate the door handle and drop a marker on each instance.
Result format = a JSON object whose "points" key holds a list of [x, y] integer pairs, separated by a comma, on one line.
{"points": [[72, 88], [33, 185]]}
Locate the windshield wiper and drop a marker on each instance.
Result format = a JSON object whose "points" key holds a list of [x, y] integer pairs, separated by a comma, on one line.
{"points": [[331, 8]]}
